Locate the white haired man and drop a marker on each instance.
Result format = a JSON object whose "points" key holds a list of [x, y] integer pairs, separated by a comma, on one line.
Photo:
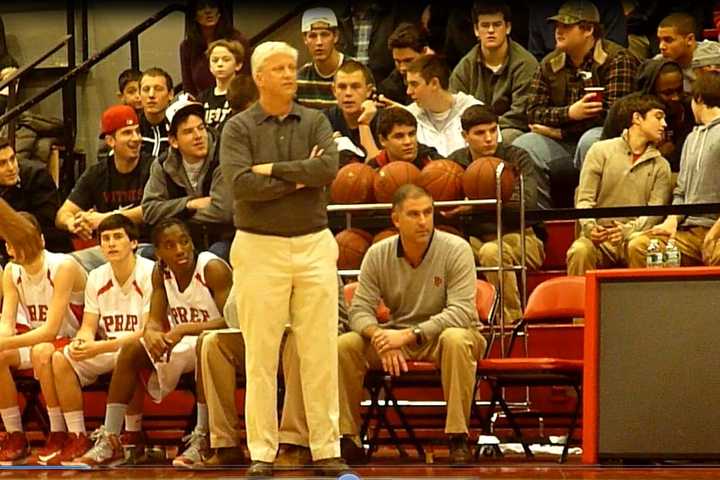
{"points": [[279, 157]]}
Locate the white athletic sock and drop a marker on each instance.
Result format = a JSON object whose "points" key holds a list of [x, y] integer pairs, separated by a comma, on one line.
{"points": [[114, 416], [75, 421], [57, 422], [203, 424], [12, 419], [133, 423]]}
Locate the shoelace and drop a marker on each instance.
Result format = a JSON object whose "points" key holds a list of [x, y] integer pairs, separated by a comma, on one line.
{"points": [[192, 437]]}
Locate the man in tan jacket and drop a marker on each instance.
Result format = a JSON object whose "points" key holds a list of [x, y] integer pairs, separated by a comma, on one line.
{"points": [[623, 171]]}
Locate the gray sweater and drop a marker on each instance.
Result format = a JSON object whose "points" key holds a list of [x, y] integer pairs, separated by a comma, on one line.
{"points": [[699, 177], [274, 205], [438, 294], [168, 189]]}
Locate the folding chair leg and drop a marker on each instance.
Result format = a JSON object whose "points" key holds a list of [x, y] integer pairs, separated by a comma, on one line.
{"points": [[573, 424], [393, 435], [33, 409], [513, 424], [487, 424], [403, 420], [372, 410]]}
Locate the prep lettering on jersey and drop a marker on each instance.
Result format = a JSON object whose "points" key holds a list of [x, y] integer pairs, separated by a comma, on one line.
{"points": [[120, 323], [189, 315], [38, 313]]}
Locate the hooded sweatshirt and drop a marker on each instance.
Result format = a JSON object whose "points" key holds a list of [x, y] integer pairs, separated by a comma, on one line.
{"points": [[169, 189], [679, 116], [446, 135], [699, 178]]}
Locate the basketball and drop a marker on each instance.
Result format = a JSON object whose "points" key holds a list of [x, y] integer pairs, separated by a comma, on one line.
{"points": [[391, 177], [443, 180], [352, 245], [353, 184], [387, 233], [479, 179]]}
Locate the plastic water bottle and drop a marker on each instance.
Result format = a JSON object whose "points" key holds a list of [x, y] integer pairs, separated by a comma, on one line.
{"points": [[654, 256], [672, 254]]}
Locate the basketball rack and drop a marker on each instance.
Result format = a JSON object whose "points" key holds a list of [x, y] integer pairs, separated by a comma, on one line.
{"points": [[496, 327]]}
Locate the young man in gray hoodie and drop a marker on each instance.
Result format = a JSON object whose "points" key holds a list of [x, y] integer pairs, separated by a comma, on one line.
{"points": [[698, 182], [186, 183]]}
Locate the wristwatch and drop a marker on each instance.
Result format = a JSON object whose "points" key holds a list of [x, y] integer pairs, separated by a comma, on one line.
{"points": [[417, 331]]}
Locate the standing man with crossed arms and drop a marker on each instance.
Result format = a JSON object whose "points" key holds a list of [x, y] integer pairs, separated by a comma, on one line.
{"points": [[279, 157]]}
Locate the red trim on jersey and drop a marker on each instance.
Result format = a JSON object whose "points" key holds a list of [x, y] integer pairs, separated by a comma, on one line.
{"points": [[77, 310], [137, 288], [105, 288], [199, 278], [50, 279]]}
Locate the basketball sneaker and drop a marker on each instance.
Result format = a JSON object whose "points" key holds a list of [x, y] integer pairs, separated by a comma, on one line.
{"points": [[15, 449], [198, 447], [106, 450], [52, 448]]}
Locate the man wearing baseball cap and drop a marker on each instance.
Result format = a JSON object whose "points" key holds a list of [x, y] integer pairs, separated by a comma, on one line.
{"points": [[315, 78], [112, 185], [186, 183], [560, 110]]}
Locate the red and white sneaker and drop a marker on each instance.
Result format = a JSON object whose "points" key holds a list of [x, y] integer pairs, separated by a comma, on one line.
{"points": [[52, 448], [106, 450], [76, 446], [15, 449]]}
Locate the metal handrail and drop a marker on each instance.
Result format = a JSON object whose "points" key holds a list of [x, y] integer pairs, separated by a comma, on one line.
{"points": [[25, 68], [94, 59]]}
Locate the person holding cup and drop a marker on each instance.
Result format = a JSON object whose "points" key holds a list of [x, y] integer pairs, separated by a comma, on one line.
{"points": [[560, 110]]}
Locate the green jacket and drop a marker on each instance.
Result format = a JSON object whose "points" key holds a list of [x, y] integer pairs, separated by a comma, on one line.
{"points": [[506, 91]]}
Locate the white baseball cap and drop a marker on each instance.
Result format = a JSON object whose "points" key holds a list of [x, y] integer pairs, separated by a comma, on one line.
{"points": [[318, 15], [185, 104]]}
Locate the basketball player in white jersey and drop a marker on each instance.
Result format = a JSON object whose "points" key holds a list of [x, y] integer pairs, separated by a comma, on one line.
{"points": [[117, 303], [41, 310], [189, 292]]}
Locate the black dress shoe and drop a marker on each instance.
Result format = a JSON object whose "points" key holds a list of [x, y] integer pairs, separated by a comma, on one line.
{"points": [[459, 450], [351, 453], [331, 467]]}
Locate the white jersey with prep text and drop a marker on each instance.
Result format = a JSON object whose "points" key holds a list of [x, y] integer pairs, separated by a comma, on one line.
{"points": [[120, 308], [195, 304], [35, 294]]}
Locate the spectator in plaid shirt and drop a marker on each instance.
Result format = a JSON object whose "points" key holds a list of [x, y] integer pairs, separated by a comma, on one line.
{"points": [[562, 116]]}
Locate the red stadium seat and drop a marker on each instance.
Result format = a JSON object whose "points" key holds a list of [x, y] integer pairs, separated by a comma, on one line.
{"points": [[420, 375], [559, 298]]}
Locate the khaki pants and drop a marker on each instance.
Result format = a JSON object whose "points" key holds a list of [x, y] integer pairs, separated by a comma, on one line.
{"points": [[584, 255], [221, 356], [280, 281], [486, 254], [456, 351], [688, 240]]}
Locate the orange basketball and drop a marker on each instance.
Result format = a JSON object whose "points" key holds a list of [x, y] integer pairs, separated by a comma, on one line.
{"points": [[353, 184], [479, 179], [391, 177], [387, 233], [443, 180], [352, 245]]}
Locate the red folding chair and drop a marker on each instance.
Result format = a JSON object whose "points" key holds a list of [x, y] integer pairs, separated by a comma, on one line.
{"points": [[555, 299], [420, 374]]}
